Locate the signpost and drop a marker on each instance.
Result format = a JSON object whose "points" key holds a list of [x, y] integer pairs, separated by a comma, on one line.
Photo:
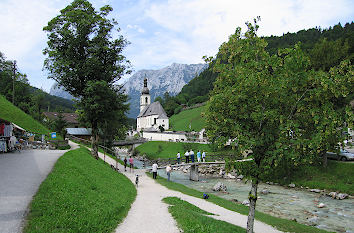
{"points": [[53, 135]]}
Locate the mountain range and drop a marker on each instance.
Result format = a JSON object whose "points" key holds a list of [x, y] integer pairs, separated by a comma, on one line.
{"points": [[169, 79]]}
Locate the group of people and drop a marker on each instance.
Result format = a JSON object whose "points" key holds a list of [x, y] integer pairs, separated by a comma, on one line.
{"points": [[168, 171], [190, 154], [131, 163]]}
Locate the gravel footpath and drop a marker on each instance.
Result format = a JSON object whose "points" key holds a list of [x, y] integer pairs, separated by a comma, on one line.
{"points": [[21, 173], [150, 214]]}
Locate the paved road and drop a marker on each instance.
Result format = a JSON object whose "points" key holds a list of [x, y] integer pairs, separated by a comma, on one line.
{"points": [[20, 176]]}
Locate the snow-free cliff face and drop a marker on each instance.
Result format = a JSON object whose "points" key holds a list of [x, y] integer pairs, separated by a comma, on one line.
{"points": [[168, 79], [59, 91]]}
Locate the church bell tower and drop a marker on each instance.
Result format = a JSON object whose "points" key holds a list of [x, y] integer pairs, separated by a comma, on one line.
{"points": [[145, 96]]}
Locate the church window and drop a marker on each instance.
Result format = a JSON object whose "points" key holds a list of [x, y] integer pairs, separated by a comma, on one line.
{"points": [[146, 100], [154, 121]]}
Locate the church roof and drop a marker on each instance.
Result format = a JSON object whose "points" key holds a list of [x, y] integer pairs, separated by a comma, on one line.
{"points": [[154, 109]]}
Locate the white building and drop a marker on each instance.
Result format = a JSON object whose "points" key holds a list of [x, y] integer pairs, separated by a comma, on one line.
{"points": [[151, 116], [165, 136]]}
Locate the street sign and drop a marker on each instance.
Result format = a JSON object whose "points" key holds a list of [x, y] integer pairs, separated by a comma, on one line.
{"points": [[53, 135]]}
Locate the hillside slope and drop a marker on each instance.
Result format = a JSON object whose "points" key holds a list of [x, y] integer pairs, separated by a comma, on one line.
{"points": [[11, 113], [188, 120]]}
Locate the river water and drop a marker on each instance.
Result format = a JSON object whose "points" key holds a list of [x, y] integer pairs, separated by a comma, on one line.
{"points": [[283, 202]]}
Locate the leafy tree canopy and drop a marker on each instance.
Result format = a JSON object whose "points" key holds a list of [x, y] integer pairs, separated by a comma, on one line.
{"points": [[84, 58], [81, 48], [277, 106]]}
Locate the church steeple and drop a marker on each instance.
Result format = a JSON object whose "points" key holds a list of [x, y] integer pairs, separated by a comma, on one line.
{"points": [[145, 88], [145, 96]]}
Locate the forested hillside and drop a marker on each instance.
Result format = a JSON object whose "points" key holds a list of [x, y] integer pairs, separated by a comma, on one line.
{"points": [[31, 100], [325, 48]]}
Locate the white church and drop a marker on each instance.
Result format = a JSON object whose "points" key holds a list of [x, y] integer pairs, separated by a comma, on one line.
{"points": [[152, 115]]}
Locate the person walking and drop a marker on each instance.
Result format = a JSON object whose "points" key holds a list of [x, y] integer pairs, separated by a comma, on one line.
{"points": [[199, 156], [125, 163], [191, 154], [154, 170], [203, 156], [131, 163], [168, 172], [187, 156], [178, 158]]}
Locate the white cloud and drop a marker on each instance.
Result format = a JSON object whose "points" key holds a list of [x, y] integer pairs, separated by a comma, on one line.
{"points": [[208, 23], [135, 27]]}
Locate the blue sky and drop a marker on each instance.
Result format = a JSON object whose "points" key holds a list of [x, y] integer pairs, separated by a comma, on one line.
{"points": [[163, 32]]}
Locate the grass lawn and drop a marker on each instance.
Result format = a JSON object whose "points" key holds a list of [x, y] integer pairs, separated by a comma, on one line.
{"points": [[193, 117], [280, 224], [338, 176], [192, 219], [13, 114], [157, 149], [81, 194]]}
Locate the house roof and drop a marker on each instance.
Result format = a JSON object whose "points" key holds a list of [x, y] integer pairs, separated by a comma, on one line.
{"points": [[68, 117], [154, 109], [79, 131]]}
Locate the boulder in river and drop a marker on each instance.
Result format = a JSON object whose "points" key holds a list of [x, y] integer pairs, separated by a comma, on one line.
{"points": [[230, 176], [219, 187], [321, 205], [342, 196], [291, 185], [313, 221], [315, 190], [265, 191]]}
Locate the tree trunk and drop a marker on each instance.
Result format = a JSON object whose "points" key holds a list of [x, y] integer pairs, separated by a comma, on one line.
{"points": [[94, 141], [252, 196], [324, 162]]}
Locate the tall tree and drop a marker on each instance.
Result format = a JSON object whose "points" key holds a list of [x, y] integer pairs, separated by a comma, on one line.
{"points": [[103, 108], [81, 51], [276, 106], [59, 124]]}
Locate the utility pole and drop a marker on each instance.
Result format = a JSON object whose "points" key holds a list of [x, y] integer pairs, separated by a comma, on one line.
{"points": [[13, 83]]}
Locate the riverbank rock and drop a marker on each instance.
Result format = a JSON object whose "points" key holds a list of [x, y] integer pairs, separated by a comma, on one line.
{"points": [[315, 190], [219, 187], [291, 185], [240, 177], [332, 195], [230, 176], [341, 196], [246, 202]]}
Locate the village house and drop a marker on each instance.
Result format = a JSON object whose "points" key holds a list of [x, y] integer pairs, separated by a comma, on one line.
{"points": [[70, 118]]}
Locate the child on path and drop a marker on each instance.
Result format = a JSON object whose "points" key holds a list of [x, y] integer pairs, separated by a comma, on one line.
{"points": [[131, 162], [154, 170], [168, 172], [199, 156], [125, 163]]}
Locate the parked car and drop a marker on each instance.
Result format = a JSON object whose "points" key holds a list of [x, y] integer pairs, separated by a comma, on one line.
{"points": [[343, 155]]}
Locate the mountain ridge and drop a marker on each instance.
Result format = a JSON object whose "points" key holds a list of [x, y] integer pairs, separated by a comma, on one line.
{"points": [[169, 79]]}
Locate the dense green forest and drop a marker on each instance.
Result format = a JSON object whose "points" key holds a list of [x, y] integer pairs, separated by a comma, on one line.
{"points": [[31, 100], [326, 48]]}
